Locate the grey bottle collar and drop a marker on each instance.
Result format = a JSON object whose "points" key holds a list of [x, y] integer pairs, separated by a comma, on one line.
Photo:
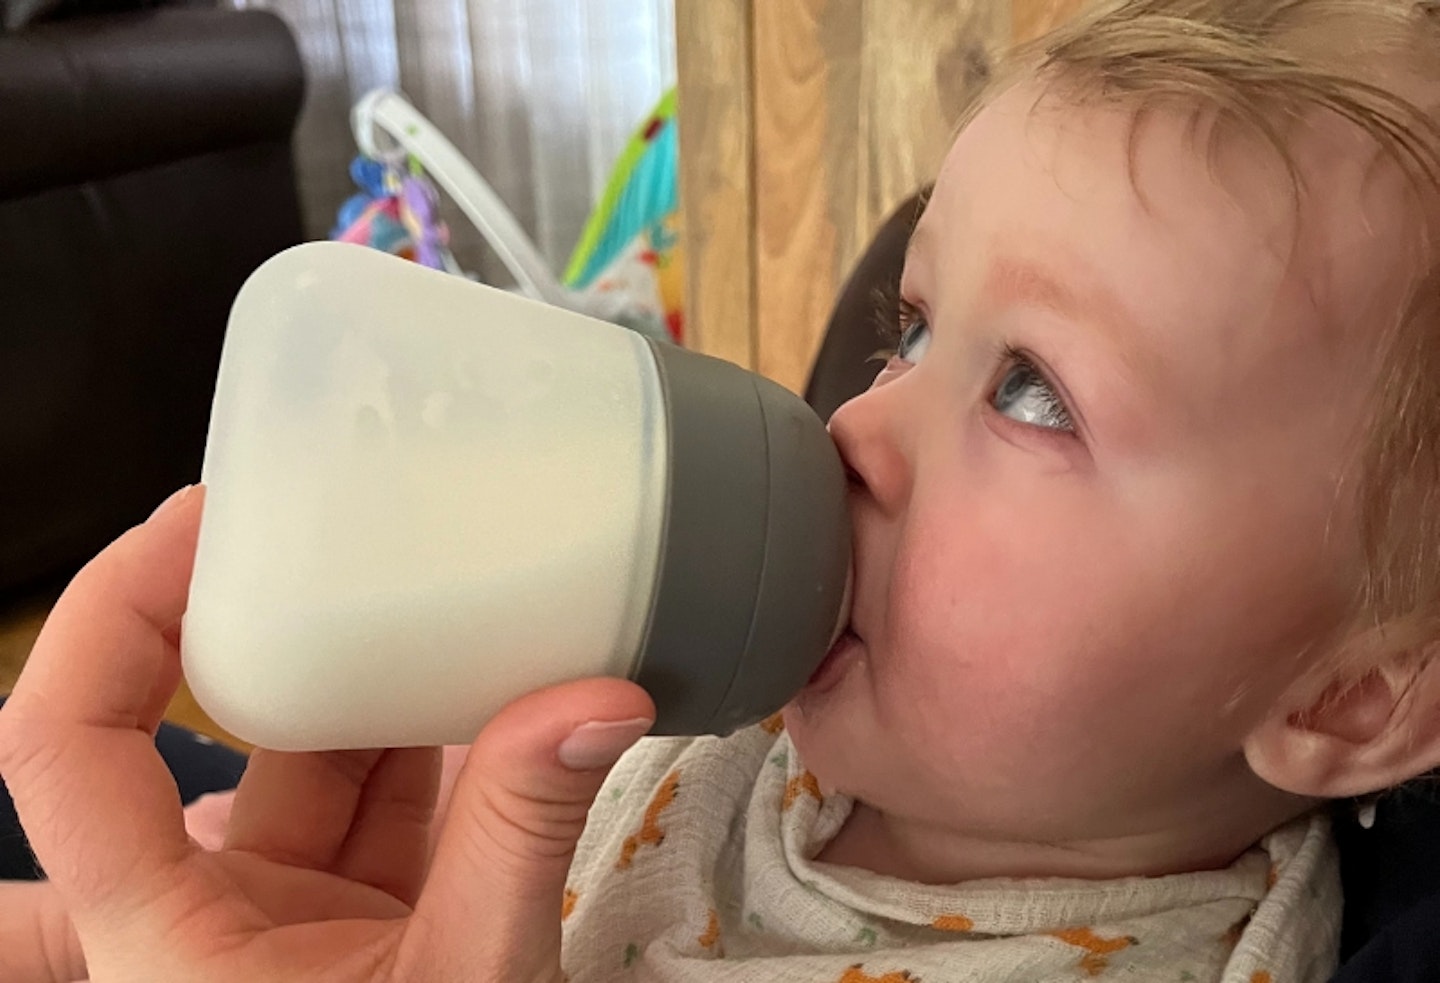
{"points": [[754, 552]]}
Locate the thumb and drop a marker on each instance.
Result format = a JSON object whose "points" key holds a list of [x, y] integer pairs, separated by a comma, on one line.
{"points": [[493, 899]]}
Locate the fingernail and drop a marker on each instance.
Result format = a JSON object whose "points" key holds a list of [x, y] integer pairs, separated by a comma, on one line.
{"points": [[171, 502], [599, 744]]}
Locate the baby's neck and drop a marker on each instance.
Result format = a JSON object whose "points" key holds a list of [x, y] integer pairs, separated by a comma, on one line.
{"points": [[913, 851]]}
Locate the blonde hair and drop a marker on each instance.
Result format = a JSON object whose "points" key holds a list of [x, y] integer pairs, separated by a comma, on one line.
{"points": [[1262, 66]]}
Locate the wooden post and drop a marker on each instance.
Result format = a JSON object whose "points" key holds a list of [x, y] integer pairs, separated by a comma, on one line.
{"points": [[807, 79], [716, 163], [1032, 18]]}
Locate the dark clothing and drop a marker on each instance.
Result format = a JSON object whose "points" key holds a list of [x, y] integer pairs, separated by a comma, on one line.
{"points": [[1391, 875]]}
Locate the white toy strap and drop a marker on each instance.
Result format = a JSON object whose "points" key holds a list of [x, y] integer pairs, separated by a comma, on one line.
{"points": [[386, 111]]}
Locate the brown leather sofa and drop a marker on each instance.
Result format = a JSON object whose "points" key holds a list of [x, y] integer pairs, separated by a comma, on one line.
{"points": [[145, 170]]}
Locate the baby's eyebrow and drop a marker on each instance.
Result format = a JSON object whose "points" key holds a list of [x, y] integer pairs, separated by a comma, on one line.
{"points": [[1014, 281]]}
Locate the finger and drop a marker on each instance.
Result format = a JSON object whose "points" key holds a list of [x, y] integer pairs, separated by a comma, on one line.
{"points": [[296, 808], [389, 843], [37, 941], [110, 644], [363, 815], [75, 737], [517, 811]]}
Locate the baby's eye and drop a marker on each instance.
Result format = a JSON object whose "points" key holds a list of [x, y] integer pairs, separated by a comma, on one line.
{"points": [[1024, 395], [914, 334]]}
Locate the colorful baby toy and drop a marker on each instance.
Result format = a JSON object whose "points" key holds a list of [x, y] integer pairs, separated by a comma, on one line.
{"points": [[395, 211], [626, 267]]}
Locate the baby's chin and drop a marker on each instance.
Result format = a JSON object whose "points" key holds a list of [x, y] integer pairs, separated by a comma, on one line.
{"points": [[823, 742], [808, 747], [797, 726]]}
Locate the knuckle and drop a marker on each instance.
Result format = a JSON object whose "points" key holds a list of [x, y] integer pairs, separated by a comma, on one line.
{"points": [[400, 816], [28, 751], [350, 767], [526, 829]]}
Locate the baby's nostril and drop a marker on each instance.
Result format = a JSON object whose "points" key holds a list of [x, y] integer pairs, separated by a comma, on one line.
{"points": [[853, 476]]}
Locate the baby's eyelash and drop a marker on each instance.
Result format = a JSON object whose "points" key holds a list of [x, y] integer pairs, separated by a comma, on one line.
{"points": [[892, 315], [907, 315], [884, 301], [1012, 357]]}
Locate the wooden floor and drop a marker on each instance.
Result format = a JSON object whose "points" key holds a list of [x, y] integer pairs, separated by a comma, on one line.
{"points": [[20, 625]]}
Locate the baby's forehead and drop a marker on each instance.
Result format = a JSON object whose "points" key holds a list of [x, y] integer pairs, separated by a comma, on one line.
{"points": [[1315, 198], [1347, 219]]}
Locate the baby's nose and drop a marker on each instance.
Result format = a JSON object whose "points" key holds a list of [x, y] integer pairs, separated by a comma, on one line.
{"points": [[873, 453]]}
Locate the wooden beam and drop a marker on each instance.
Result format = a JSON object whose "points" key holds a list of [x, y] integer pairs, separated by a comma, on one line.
{"points": [[924, 62], [1032, 18], [807, 78], [713, 44]]}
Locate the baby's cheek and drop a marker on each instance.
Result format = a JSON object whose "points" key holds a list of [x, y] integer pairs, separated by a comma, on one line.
{"points": [[1008, 668], [962, 693]]}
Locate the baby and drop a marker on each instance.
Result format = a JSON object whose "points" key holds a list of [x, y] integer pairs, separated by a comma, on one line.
{"points": [[1147, 554], [1145, 543]]}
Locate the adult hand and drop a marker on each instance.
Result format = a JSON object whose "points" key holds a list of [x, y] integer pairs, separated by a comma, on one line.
{"points": [[37, 940], [207, 819], [323, 874]]}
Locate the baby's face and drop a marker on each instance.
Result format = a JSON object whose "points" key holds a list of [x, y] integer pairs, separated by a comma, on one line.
{"points": [[1095, 501]]}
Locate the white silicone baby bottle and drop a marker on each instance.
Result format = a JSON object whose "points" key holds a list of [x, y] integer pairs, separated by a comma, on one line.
{"points": [[426, 497]]}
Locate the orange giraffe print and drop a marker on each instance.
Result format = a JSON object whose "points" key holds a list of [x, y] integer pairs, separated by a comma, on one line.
{"points": [[711, 936], [856, 974], [805, 784], [953, 923], [773, 724], [567, 904], [650, 833], [1097, 950], [1260, 976]]}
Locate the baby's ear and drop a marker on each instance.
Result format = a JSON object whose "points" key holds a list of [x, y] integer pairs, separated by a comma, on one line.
{"points": [[1358, 735]]}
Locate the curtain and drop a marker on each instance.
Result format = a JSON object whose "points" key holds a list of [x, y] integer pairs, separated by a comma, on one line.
{"points": [[540, 95]]}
